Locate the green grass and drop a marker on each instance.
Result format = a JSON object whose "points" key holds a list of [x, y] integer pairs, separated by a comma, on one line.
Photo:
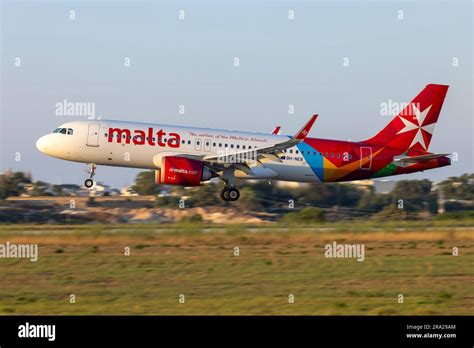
{"points": [[447, 220], [168, 260]]}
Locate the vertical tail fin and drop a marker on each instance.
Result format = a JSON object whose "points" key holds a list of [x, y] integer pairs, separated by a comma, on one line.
{"points": [[413, 127]]}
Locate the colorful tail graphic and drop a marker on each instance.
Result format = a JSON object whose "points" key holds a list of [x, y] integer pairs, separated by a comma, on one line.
{"points": [[413, 128]]}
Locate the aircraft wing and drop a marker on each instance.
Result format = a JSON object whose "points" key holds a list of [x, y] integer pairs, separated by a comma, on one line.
{"points": [[271, 152], [404, 161]]}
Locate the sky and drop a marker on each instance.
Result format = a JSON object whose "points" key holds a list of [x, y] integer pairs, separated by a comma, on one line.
{"points": [[139, 61]]}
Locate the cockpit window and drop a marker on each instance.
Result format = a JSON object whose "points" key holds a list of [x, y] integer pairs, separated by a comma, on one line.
{"points": [[68, 131]]}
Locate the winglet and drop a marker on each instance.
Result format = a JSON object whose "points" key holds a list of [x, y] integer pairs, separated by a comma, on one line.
{"points": [[301, 135], [276, 130]]}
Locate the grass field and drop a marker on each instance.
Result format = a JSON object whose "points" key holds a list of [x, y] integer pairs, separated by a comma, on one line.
{"points": [[198, 261]]}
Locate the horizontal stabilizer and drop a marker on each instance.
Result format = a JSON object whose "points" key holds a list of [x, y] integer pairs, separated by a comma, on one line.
{"points": [[404, 161]]}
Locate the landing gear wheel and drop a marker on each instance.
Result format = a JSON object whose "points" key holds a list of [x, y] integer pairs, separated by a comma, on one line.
{"points": [[225, 194], [233, 194], [88, 183]]}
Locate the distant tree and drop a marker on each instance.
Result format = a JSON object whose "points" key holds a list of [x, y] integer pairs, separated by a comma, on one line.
{"points": [[13, 184], [371, 201], [193, 218], [414, 194], [389, 212], [248, 200], [39, 188], [306, 215], [204, 195], [328, 194], [166, 201], [264, 195], [57, 189], [461, 187], [145, 183]]}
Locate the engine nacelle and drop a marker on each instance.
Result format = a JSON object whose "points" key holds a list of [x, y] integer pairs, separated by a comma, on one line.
{"points": [[182, 171]]}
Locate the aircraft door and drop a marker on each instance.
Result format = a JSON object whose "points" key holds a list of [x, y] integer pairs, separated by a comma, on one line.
{"points": [[93, 134], [365, 158]]}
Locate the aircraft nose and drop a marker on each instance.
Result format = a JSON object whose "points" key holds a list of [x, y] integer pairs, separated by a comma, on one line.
{"points": [[41, 144]]}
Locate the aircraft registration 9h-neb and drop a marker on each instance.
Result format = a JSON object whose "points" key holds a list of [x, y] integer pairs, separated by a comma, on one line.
{"points": [[188, 156]]}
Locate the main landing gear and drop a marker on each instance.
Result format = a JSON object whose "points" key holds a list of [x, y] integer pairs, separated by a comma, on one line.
{"points": [[230, 194], [89, 183]]}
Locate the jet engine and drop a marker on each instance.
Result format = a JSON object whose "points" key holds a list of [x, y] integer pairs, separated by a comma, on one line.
{"points": [[182, 171]]}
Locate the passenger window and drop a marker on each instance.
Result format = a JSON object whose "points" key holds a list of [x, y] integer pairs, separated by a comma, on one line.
{"points": [[238, 146], [189, 142], [291, 151], [297, 152]]}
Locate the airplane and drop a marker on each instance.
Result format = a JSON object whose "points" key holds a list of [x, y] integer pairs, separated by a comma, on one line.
{"points": [[189, 156]]}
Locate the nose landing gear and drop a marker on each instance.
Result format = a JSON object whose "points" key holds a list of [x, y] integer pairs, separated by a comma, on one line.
{"points": [[91, 171]]}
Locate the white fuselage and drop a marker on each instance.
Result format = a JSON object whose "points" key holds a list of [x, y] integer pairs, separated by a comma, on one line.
{"points": [[94, 142]]}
